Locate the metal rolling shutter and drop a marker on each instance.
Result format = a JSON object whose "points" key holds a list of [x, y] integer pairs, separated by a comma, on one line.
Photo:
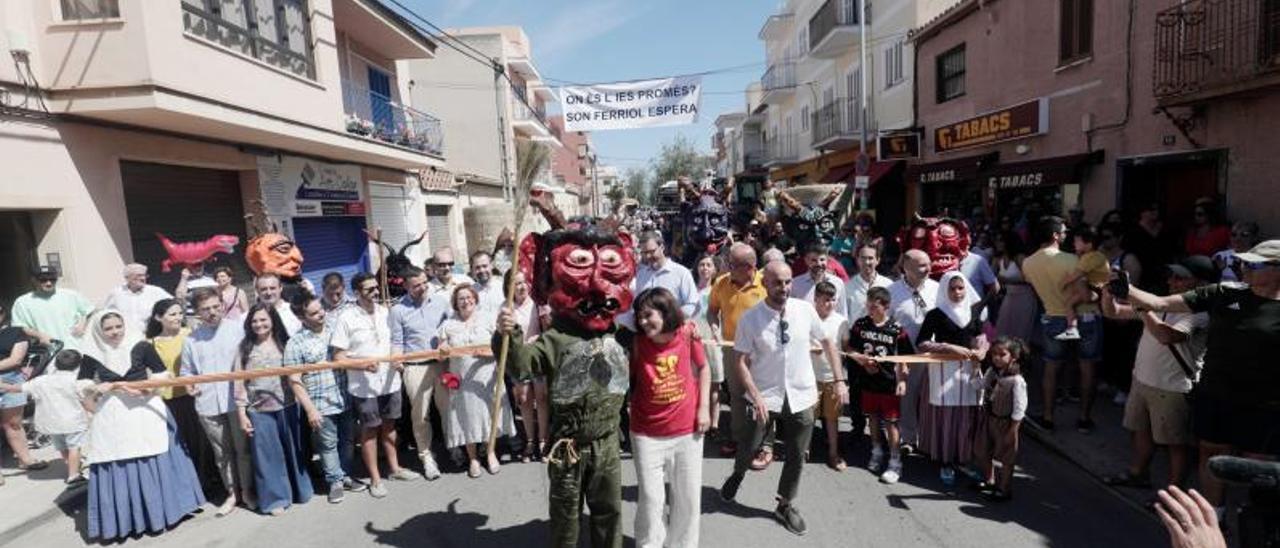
{"points": [[186, 204], [439, 231], [331, 244], [389, 208]]}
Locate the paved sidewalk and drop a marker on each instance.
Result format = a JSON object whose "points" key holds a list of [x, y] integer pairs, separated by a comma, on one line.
{"points": [[36, 498]]}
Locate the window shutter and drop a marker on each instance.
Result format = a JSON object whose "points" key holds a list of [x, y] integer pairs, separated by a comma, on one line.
{"points": [[1084, 22]]}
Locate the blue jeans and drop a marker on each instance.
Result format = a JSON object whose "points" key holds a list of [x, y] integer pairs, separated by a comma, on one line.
{"points": [[332, 441]]}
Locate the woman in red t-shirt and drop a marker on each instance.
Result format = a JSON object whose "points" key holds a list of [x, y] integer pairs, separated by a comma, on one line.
{"points": [[670, 390]]}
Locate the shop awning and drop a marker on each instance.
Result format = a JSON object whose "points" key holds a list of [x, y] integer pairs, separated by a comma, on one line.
{"points": [[876, 171], [1056, 171], [951, 171]]}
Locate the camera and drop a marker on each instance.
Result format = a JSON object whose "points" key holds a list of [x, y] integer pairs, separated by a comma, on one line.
{"points": [[1259, 518]]}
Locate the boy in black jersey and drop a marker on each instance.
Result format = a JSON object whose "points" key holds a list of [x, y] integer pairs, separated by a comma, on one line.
{"points": [[883, 383]]}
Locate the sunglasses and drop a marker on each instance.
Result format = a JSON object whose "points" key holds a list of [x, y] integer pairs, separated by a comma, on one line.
{"points": [[783, 337]]}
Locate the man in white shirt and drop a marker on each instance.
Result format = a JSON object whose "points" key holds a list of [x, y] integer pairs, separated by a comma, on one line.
{"points": [[362, 331], [488, 288], [1170, 356], [912, 297], [868, 259], [135, 298], [656, 270], [773, 341], [268, 288], [442, 270], [816, 257]]}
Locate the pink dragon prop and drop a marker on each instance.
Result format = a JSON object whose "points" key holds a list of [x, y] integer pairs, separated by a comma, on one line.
{"points": [[189, 253]]}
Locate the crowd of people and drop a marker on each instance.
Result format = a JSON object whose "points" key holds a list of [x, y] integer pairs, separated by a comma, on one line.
{"points": [[1152, 316]]}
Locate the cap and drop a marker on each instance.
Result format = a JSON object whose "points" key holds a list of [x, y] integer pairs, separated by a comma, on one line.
{"points": [[44, 272], [1196, 266], [1265, 252]]}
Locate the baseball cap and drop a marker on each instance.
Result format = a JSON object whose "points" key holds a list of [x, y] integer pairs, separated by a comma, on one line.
{"points": [[1196, 266], [1265, 252], [45, 272]]}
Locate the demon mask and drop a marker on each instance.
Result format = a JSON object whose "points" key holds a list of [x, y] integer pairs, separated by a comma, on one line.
{"points": [[274, 253], [805, 224], [945, 240], [704, 219], [396, 263], [582, 271]]}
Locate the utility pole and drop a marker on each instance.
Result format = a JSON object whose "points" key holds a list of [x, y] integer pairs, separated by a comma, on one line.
{"points": [[499, 98], [595, 188], [862, 108]]}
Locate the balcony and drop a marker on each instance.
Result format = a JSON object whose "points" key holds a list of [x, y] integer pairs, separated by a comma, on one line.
{"points": [[781, 150], [291, 51], [837, 124], [528, 121], [779, 81], [833, 29], [1213, 48], [776, 25], [753, 152], [375, 116]]}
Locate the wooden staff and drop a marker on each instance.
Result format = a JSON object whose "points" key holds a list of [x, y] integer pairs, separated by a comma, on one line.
{"points": [[382, 266], [504, 348], [475, 350]]}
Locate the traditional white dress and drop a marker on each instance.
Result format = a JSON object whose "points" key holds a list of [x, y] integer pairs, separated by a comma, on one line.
{"points": [[467, 417]]}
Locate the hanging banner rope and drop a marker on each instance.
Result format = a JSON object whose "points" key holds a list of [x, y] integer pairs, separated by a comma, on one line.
{"points": [[425, 355], [629, 105]]}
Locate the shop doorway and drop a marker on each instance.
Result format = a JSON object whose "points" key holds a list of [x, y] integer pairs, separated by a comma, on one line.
{"points": [[1174, 182], [17, 255]]}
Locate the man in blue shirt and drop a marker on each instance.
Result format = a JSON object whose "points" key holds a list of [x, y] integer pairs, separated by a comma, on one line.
{"points": [[656, 270], [414, 321]]}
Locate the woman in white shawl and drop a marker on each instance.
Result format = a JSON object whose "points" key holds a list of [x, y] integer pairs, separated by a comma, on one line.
{"points": [[955, 388], [140, 480]]}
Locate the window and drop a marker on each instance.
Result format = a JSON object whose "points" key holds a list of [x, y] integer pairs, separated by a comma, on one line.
{"points": [[89, 9], [804, 119], [1075, 30], [893, 73], [951, 74], [276, 32], [802, 40]]}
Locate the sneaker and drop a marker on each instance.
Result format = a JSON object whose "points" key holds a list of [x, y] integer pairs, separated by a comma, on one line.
{"points": [[378, 490], [336, 494], [403, 474], [1121, 398], [352, 485], [1068, 334], [1084, 426], [790, 518], [948, 476], [429, 468], [893, 473], [876, 464], [729, 491]]}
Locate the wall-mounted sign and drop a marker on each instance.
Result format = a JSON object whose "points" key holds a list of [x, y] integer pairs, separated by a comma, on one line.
{"points": [[303, 187], [898, 147], [1007, 124]]}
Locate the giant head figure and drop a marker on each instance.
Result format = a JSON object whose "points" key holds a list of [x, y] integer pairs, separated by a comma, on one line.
{"points": [[946, 241], [274, 253], [704, 219], [806, 224], [582, 270]]}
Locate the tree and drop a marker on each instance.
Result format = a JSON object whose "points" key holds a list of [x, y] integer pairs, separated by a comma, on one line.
{"points": [[637, 184], [679, 157]]}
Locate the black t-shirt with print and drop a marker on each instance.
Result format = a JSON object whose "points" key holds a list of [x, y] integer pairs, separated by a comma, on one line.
{"points": [[9, 337], [889, 339], [1242, 361]]}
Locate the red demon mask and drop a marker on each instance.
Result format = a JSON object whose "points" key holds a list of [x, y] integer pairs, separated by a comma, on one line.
{"points": [[583, 273], [946, 241], [274, 253]]}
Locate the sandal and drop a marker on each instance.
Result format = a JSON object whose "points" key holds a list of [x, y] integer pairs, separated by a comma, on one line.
{"points": [[492, 466], [837, 464], [473, 469], [1128, 480]]}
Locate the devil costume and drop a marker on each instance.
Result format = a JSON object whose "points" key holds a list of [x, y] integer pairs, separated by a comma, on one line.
{"points": [[584, 273]]}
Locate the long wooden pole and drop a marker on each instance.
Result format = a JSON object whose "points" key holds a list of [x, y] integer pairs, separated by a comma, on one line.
{"points": [[425, 355], [504, 349]]}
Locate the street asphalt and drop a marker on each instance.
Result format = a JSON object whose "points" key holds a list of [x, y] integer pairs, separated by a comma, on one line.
{"points": [[1055, 504]]}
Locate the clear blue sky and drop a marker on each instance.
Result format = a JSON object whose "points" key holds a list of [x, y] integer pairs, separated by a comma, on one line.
{"points": [[606, 40]]}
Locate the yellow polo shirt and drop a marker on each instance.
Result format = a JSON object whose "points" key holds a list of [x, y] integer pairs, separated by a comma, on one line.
{"points": [[733, 301]]}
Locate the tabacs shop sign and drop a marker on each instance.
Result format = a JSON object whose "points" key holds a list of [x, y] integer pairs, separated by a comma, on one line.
{"points": [[1007, 124]]}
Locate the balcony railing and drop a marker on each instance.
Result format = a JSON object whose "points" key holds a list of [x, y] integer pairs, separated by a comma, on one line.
{"points": [[247, 40], [832, 14], [522, 113], [780, 77], [1207, 47], [376, 116], [780, 149], [839, 118]]}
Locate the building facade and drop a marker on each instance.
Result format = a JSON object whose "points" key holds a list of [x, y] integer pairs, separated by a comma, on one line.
{"points": [[124, 119], [492, 112], [573, 168], [1014, 121]]}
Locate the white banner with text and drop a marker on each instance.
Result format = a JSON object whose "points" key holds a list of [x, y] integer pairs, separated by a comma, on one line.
{"points": [[628, 105]]}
